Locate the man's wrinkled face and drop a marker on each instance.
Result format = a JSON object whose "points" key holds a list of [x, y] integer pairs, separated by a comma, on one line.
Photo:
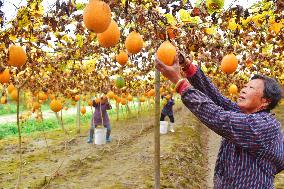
{"points": [[251, 97]]}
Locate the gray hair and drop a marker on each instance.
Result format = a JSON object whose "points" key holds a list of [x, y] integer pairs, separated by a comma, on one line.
{"points": [[272, 90]]}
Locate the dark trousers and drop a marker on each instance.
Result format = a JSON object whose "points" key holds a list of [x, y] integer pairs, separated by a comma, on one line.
{"points": [[172, 119]]}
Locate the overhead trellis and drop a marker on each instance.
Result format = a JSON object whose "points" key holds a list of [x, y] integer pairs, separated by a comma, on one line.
{"points": [[66, 60], [63, 55]]}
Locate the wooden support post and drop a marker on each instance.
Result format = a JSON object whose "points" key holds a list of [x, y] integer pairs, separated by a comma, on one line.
{"points": [[20, 141], [157, 130]]}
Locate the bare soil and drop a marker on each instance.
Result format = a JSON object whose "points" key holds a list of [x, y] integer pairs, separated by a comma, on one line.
{"points": [[55, 160]]}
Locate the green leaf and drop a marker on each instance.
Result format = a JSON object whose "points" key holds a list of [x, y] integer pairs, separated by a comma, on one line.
{"points": [[195, 20], [123, 2], [80, 40], [204, 69], [198, 3], [80, 6], [267, 49], [13, 37], [184, 15], [214, 5], [171, 19], [184, 1], [160, 23]]}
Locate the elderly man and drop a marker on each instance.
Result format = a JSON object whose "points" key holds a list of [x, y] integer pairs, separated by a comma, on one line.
{"points": [[252, 147]]}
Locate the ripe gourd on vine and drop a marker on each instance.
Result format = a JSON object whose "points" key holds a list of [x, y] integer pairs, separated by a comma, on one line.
{"points": [[134, 42], [97, 16], [166, 53]]}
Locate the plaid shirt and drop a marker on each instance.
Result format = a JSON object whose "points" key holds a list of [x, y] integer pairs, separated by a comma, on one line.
{"points": [[252, 149]]}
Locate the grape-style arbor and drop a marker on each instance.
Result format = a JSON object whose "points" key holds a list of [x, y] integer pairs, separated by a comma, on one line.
{"points": [[108, 47], [62, 55]]}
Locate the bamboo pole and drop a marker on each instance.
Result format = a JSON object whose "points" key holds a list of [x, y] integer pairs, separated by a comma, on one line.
{"points": [[78, 116], [157, 130], [117, 113], [20, 142], [60, 121]]}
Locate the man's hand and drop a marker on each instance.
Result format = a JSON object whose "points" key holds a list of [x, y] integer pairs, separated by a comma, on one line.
{"points": [[170, 72]]}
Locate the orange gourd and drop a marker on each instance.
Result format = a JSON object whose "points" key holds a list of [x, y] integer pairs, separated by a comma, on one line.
{"points": [[122, 58], [166, 53], [110, 95], [229, 63], [10, 88], [83, 110], [152, 92], [14, 95], [142, 99], [123, 101], [42, 96], [5, 76], [129, 98], [117, 99], [55, 105], [134, 42], [110, 37], [3, 100], [90, 103], [97, 16], [233, 89], [77, 98], [17, 56], [51, 96], [36, 105]]}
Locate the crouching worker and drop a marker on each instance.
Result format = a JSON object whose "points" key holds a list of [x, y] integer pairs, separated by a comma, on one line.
{"points": [[168, 111], [100, 117]]}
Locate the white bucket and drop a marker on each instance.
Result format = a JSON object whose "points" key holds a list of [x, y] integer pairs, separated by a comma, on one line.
{"points": [[164, 127], [100, 136]]}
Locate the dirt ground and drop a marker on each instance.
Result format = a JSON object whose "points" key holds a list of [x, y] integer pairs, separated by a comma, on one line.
{"points": [[54, 160], [214, 141]]}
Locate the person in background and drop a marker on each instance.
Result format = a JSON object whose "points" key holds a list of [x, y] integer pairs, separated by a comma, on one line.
{"points": [[100, 117], [252, 147], [168, 110]]}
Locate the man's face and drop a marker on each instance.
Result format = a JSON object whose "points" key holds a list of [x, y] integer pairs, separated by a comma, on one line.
{"points": [[251, 97]]}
